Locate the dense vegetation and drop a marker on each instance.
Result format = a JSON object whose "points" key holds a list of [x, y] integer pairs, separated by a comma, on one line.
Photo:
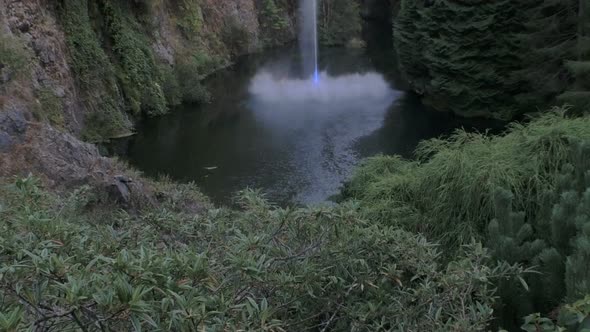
{"points": [[339, 22], [68, 263], [495, 58], [477, 233], [119, 75], [74, 262], [94, 72], [525, 194]]}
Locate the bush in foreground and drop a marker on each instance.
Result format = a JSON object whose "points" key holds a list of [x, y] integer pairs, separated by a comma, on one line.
{"points": [[67, 265], [526, 194], [448, 192]]}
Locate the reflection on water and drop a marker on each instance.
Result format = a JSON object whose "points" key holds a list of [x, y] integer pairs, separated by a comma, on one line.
{"points": [[270, 128]]}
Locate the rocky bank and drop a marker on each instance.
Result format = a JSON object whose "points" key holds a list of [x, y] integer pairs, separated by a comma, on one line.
{"points": [[44, 110]]}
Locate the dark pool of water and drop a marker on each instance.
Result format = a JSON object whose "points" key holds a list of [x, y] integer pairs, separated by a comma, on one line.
{"points": [[269, 127]]}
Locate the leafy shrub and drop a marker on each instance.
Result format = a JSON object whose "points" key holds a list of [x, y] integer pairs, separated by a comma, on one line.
{"points": [[572, 317], [448, 192], [106, 123], [189, 76], [170, 86], [94, 74], [66, 265], [525, 192], [235, 37], [273, 22], [137, 72]]}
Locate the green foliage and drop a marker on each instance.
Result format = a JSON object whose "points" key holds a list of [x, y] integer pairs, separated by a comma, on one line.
{"points": [[191, 17], [572, 317], [235, 37], [273, 22], [548, 38], [556, 66], [526, 193], [496, 58], [578, 63], [136, 68], [553, 240], [14, 59], [409, 44], [465, 54], [145, 86], [89, 62], [94, 74], [339, 21], [190, 72], [578, 94], [68, 265], [510, 238], [49, 108], [448, 193], [170, 85], [11, 320]]}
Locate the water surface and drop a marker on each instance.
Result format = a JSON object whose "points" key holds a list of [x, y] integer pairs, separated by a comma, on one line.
{"points": [[272, 128]]}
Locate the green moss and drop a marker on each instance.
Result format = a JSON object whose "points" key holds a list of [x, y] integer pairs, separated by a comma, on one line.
{"points": [[99, 78], [190, 19], [170, 85], [136, 68], [103, 124], [49, 108], [94, 74], [14, 58]]}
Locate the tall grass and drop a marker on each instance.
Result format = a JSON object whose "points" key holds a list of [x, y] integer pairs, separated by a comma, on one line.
{"points": [[447, 192]]}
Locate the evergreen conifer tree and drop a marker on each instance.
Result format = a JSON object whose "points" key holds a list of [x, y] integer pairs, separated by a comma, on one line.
{"points": [[555, 241], [547, 39], [496, 58], [577, 267], [578, 64], [409, 45], [511, 239], [461, 54]]}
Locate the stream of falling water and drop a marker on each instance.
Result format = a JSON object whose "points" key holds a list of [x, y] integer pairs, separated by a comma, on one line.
{"points": [[316, 74], [308, 38]]}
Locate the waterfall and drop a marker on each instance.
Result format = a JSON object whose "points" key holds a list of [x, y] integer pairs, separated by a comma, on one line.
{"points": [[308, 38]]}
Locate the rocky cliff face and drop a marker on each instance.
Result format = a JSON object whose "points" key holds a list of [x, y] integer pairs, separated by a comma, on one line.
{"points": [[48, 98]]}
